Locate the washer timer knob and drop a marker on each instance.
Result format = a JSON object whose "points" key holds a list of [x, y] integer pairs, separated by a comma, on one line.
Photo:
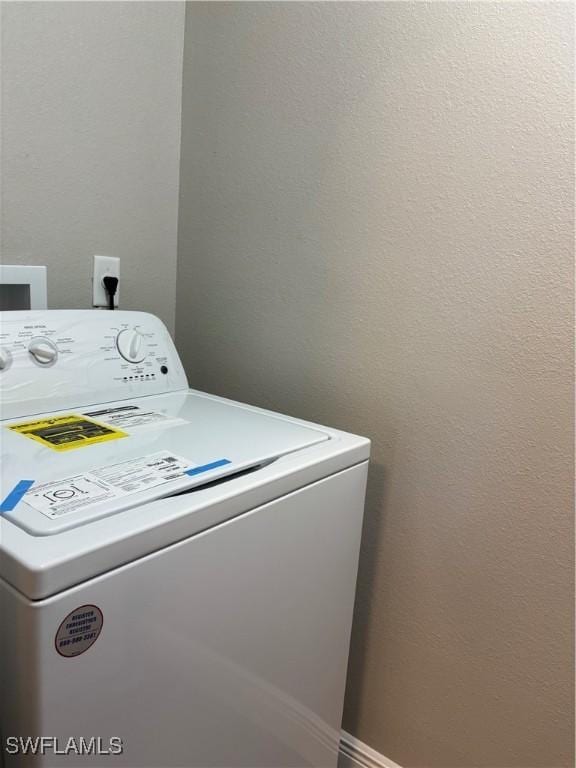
{"points": [[131, 345], [43, 351], [5, 359]]}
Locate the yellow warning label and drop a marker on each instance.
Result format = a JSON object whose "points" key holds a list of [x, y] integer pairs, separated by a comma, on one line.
{"points": [[64, 433]]}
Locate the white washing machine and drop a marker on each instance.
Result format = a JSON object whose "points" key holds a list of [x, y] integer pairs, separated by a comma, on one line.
{"points": [[177, 570]]}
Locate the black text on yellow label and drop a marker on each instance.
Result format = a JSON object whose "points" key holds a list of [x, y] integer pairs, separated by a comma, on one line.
{"points": [[64, 433]]}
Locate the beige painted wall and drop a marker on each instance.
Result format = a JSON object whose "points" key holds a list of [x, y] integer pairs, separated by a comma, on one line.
{"points": [[376, 232], [91, 107]]}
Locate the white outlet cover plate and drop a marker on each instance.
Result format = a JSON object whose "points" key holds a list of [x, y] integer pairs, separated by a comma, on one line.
{"points": [[104, 265]]}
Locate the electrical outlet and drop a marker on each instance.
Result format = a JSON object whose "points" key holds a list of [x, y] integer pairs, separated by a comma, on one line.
{"points": [[104, 265]]}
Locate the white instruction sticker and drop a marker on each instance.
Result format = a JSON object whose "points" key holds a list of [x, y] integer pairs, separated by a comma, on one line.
{"points": [[69, 495], [73, 494], [130, 416]]}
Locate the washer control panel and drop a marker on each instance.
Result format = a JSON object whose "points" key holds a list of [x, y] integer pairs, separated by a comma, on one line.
{"points": [[56, 359]]}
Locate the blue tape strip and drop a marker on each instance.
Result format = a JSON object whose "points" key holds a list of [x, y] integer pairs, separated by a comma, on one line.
{"points": [[15, 495], [207, 467]]}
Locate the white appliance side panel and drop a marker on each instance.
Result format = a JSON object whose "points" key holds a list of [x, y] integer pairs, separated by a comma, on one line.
{"points": [[228, 649]]}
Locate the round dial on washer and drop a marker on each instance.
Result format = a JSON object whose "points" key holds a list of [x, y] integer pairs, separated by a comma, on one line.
{"points": [[131, 345], [5, 358], [43, 351]]}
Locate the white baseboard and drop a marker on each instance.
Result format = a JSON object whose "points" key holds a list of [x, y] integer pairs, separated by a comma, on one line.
{"points": [[355, 754]]}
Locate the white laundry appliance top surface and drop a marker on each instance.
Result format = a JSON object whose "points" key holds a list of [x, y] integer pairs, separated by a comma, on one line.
{"points": [[144, 449], [106, 455]]}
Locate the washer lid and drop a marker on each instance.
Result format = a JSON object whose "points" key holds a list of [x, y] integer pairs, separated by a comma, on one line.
{"points": [[66, 469]]}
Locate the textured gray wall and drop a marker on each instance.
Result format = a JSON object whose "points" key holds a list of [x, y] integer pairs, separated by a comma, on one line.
{"points": [[376, 232], [91, 107]]}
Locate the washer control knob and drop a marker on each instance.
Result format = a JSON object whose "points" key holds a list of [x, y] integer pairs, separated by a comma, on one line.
{"points": [[43, 351], [131, 345], [5, 358]]}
